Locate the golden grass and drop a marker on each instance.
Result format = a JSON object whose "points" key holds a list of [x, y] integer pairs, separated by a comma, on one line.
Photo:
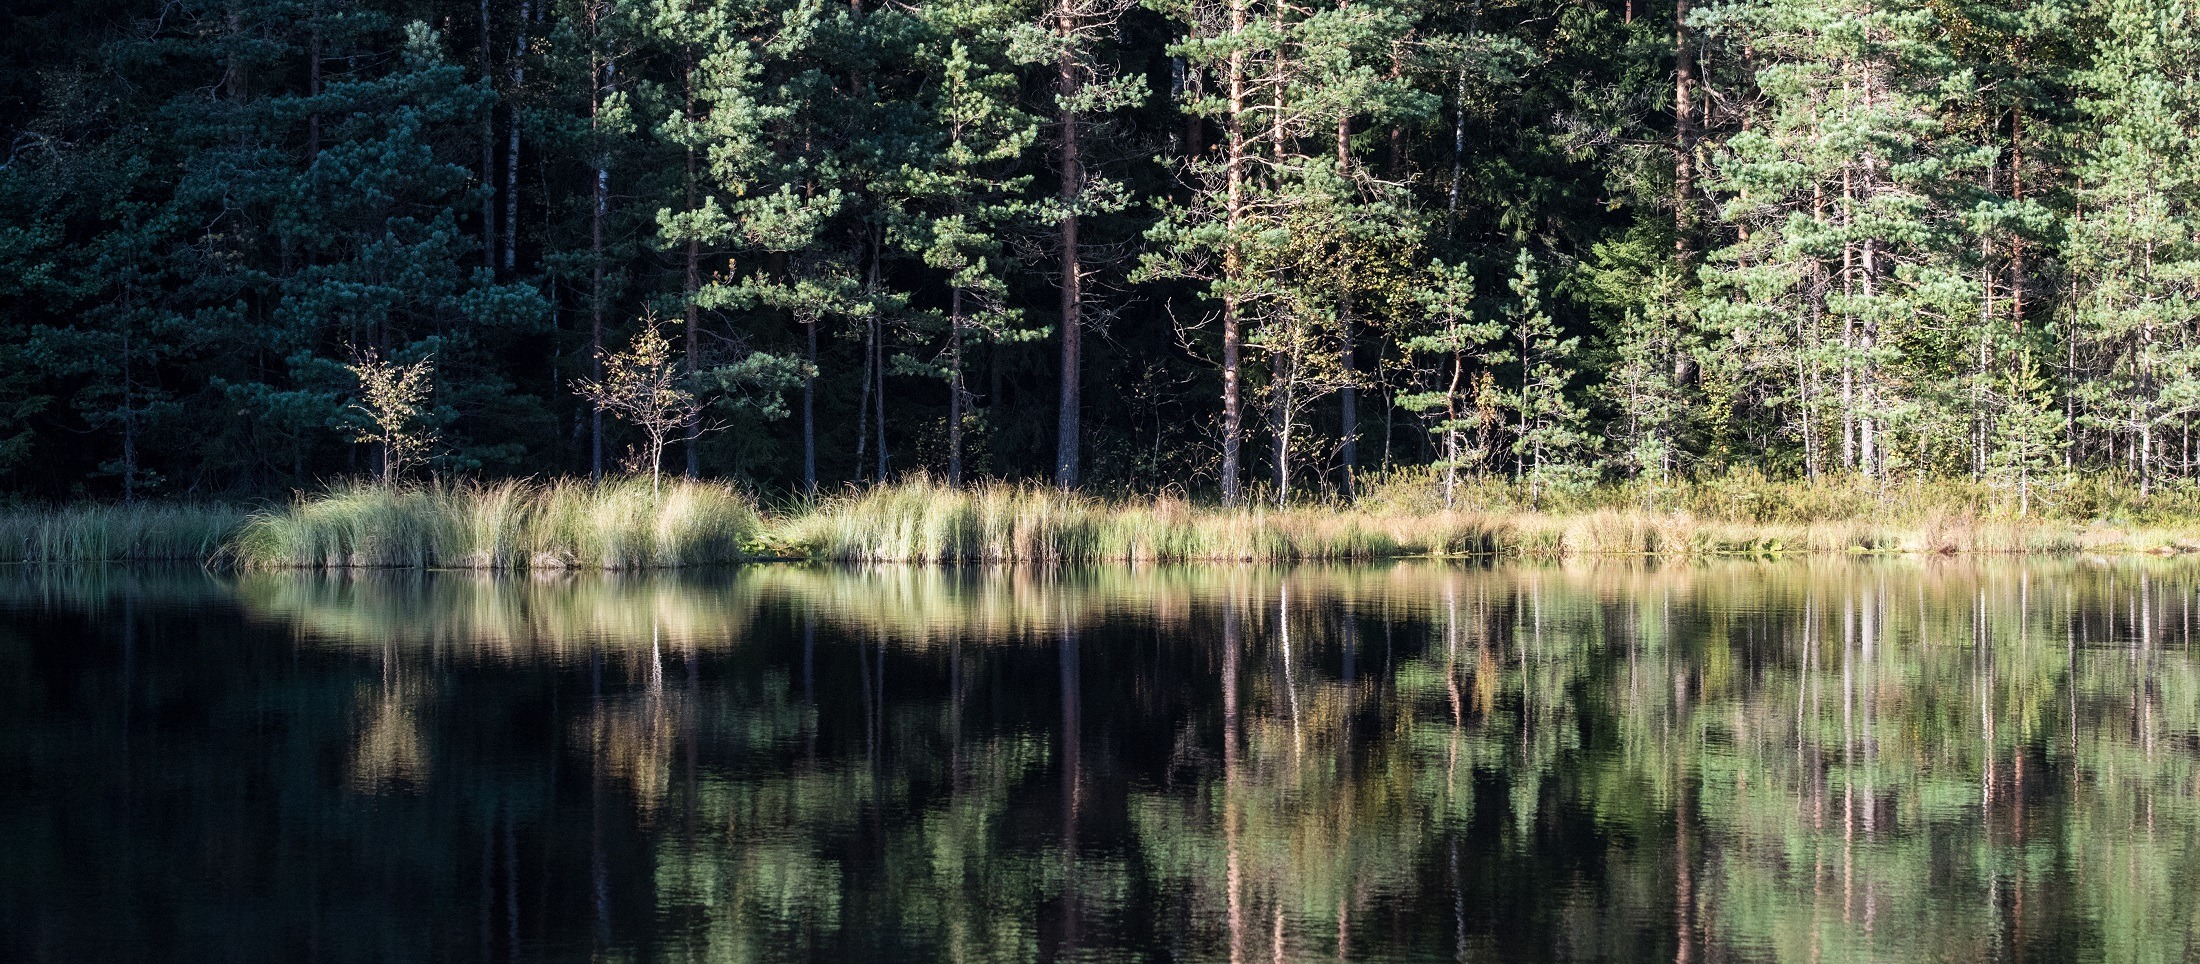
{"points": [[628, 524], [623, 524]]}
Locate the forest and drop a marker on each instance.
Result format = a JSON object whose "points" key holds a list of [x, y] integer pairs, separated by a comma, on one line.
{"points": [[1224, 248]]}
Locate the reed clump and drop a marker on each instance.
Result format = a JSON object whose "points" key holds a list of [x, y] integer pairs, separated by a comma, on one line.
{"points": [[632, 524], [1742, 514], [117, 533], [923, 521], [620, 524]]}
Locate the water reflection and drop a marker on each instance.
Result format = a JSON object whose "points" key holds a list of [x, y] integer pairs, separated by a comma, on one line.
{"points": [[1822, 760]]}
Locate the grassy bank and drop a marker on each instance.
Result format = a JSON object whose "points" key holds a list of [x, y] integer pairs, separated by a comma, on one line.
{"points": [[627, 525], [920, 522], [113, 533], [507, 525]]}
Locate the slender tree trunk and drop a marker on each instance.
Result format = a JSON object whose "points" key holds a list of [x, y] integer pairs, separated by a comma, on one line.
{"points": [[1397, 161], [691, 284], [1451, 429], [955, 389], [1848, 327], [1233, 256], [1348, 408], [1195, 126], [2145, 407], [1458, 153], [511, 142], [878, 350], [1348, 397], [863, 403], [809, 406], [313, 83], [1067, 86], [600, 77], [1284, 377], [1684, 131], [2016, 242], [129, 409], [488, 148]]}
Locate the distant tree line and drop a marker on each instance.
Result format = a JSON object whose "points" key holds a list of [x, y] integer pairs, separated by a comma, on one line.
{"points": [[1217, 245]]}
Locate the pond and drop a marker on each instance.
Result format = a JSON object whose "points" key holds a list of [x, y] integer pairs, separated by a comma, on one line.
{"points": [[1831, 759]]}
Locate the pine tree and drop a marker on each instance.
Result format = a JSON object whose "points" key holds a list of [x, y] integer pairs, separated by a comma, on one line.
{"points": [[962, 204], [1437, 350], [1070, 37], [1549, 435], [1846, 283], [2135, 243], [2028, 437]]}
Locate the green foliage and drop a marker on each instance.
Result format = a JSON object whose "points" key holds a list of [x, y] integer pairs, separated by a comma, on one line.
{"points": [[391, 410], [1550, 432], [1814, 239]]}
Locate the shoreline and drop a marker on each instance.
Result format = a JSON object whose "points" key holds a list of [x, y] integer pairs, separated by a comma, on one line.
{"points": [[625, 525]]}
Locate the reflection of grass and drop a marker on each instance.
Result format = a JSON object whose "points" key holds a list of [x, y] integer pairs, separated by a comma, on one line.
{"points": [[493, 617], [112, 533]]}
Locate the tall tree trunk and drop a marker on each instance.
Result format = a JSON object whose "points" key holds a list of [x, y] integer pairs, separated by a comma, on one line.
{"points": [[129, 410], [1684, 131], [692, 281], [2016, 242], [863, 402], [1233, 256], [878, 349], [1848, 325], [1067, 86], [600, 77], [1280, 399], [1195, 126], [511, 142], [488, 149], [1348, 398], [1458, 154], [955, 389], [1397, 161], [313, 82], [809, 406]]}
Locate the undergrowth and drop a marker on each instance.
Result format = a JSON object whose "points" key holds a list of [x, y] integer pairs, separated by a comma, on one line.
{"points": [[628, 524]]}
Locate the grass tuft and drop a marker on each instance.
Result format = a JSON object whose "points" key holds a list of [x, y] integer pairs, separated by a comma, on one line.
{"points": [[116, 533], [626, 524], [622, 524]]}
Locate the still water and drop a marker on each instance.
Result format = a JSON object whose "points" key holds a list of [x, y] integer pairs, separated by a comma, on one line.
{"points": [[1734, 761]]}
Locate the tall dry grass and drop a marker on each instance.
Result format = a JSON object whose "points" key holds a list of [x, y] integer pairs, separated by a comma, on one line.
{"points": [[922, 521], [622, 524], [627, 524]]}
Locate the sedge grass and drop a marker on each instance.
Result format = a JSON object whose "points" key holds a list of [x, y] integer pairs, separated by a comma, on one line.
{"points": [[117, 533], [622, 524], [629, 524]]}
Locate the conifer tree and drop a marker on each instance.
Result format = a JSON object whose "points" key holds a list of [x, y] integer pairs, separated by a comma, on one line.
{"points": [[1437, 349], [962, 205], [2135, 242], [2029, 436], [1549, 432]]}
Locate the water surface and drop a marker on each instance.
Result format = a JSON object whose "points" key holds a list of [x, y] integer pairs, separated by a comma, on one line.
{"points": [[1799, 761]]}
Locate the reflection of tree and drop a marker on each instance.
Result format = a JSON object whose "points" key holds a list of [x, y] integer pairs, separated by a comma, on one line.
{"points": [[1721, 760], [478, 616], [390, 752]]}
